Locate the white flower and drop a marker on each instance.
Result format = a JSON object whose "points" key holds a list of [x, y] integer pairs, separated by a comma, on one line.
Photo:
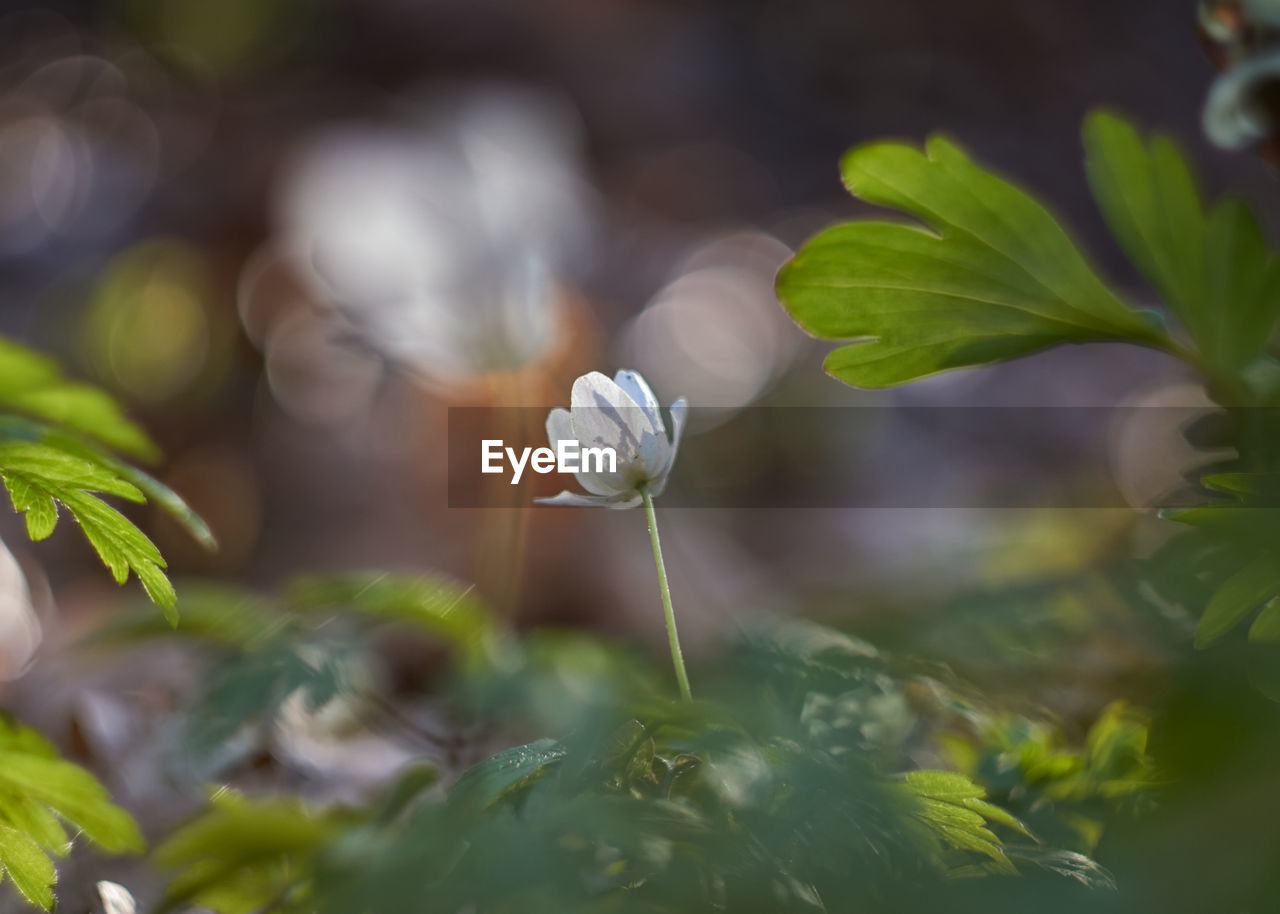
{"points": [[116, 899], [443, 245], [622, 414]]}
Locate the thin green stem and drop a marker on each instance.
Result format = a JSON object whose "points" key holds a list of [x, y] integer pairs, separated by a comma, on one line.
{"points": [[677, 657]]}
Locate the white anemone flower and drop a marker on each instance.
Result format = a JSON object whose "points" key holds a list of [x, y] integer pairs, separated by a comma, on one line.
{"points": [[622, 414]]}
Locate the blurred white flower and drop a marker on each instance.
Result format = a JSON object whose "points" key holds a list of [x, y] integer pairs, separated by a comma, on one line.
{"points": [[622, 414], [116, 899], [442, 245], [20, 632]]}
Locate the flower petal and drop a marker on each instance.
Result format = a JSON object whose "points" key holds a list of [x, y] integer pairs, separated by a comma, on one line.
{"points": [[559, 427], [638, 390], [679, 413], [655, 449], [604, 415], [576, 500]]}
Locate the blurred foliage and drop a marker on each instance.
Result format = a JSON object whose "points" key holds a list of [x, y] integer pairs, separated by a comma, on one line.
{"points": [[1000, 279], [807, 777], [788, 786], [39, 792], [52, 440], [1065, 792], [243, 856]]}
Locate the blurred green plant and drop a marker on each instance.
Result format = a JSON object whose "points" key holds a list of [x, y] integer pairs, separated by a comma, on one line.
{"points": [[808, 775], [992, 276], [39, 795], [54, 441], [1066, 792], [788, 786]]}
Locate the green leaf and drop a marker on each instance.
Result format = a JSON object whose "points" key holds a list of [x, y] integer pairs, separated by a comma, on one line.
{"points": [[995, 278], [33, 384], [943, 785], [506, 772], [953, 808], [74, 794], [436, 605], [239, 855], [153, 489], [31, 871], [978, 840], [993, 813], [1266, 628], [39, 476], [217, 615], [36, 788], [1214, 270], [1242, 593], [157, 492], [1255, 489], [34, 819], [253, 685]]}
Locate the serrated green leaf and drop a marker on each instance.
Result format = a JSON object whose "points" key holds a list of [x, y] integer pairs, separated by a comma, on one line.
{"points": [[74, 794], [36, 787], [952, 805], [31, 871], [1214, 270], [943, 785], [994, 813], [41, 510], [33, 384], [37, 475], [1243, 592], [980, 840], [25, 430], [153, 489], [33, 819], [954, 815], [57, 468], [995, 279]]}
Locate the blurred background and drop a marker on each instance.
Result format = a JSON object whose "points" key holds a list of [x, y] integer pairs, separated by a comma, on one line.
{"points": [[290, 235]]}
